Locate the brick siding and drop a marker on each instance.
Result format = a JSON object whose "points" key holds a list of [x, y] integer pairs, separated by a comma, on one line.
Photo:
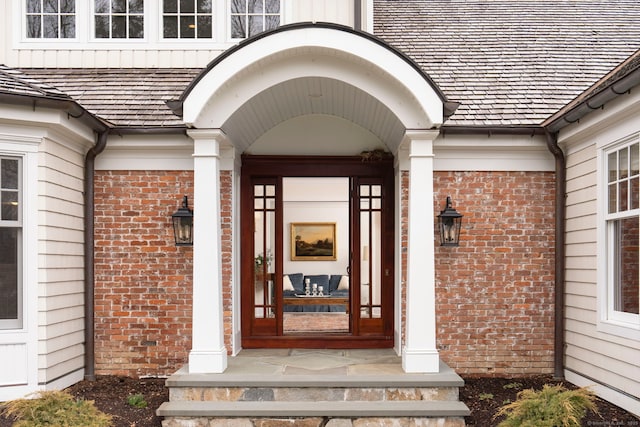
{"points": [[494, 293], [143, 291]]}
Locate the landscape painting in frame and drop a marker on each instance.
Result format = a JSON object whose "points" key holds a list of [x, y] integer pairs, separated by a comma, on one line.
{"points": [[313, 241]]}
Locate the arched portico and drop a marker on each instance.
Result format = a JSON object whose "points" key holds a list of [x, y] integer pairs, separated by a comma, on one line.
{"points": [[298, 71]]}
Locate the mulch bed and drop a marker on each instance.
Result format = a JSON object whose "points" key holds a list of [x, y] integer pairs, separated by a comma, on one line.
{"points": [[482, 395], [485, 395]]}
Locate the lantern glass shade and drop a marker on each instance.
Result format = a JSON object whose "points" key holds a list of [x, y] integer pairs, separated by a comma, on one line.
{"points": [[449, 222], [183, 224]]}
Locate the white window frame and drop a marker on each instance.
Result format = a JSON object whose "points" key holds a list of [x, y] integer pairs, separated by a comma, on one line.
{"points": [[153, 30], [611, 321], [18, 322]]}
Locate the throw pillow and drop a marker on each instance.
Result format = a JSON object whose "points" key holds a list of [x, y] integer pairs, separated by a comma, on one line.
{"points": [[286, 284], [344, 284]]}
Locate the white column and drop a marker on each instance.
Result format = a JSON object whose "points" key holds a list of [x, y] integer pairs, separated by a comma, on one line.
{"points": [[208, 353], [420, 353]]}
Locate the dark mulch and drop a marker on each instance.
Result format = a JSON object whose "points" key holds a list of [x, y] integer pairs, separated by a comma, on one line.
{"points": [[482, 395], [485, 395]]}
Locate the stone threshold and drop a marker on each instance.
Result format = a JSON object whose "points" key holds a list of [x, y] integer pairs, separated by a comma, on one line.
{"points": [[352, 409]]}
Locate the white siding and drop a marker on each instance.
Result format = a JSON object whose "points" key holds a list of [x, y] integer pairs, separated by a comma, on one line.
{"points": [[61, 262], [337, 11], [593, 355]]}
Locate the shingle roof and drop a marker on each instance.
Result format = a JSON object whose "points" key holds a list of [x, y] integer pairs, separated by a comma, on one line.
{"points": [[15, 82], [508, 62], [511, 62], [125, 97]]}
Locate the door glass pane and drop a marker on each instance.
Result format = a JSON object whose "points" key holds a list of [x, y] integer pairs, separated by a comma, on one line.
{"points": [[263, 252], [371, 251]]}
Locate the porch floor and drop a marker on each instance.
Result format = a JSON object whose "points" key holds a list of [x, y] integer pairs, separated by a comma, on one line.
{"points": [[320, 367]]}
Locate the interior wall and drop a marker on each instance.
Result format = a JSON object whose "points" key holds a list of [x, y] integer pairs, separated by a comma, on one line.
{"points": [[317, 200]]}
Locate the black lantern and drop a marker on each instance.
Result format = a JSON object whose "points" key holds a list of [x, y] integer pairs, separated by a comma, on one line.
{"points": [[183, 224], [449, 221]]}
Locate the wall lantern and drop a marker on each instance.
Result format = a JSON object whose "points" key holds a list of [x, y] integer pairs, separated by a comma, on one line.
{"points": [[449, 222], [183, 224]]}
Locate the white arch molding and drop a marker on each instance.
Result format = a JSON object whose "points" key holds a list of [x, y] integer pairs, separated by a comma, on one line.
{"points": [[312, 52]]}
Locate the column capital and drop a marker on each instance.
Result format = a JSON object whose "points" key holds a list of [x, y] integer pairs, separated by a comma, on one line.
{"points": [[420, 135], [208, 134]]}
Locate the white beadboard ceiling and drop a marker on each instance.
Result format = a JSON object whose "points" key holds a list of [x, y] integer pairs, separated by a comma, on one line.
{"points": [[312, 96]]}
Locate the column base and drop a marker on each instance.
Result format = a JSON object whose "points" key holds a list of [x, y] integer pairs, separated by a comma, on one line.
{"points": [[208, 361], [420, 361]]}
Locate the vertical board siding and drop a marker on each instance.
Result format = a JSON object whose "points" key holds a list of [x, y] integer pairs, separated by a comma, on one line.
{"points": [[609, 359], [153, 52], [61, 265]]}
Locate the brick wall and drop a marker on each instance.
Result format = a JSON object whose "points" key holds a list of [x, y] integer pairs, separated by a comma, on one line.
{"points": [[495, 291], [143, 290]]}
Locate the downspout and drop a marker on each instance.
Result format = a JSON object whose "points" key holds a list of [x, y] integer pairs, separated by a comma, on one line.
{"points": [[89, 280], [357, 15], [559, 288]]}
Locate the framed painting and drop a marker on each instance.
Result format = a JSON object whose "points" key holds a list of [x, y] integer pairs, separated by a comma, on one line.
{"points": [[313, 241]]}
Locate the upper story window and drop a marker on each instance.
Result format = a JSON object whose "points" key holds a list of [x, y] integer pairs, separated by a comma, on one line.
{"points": [[250, 17], [623, 231], [51, 19], [119, 19], [187, 19], [10, 244]]}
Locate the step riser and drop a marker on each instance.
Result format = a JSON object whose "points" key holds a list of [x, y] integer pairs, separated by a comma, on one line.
{"points": [[289, 394], [315, 422]]}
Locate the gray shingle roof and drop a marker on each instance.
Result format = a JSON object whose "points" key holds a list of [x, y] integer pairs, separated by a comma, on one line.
{"points": [[511, 62], [508, 62], [15, 82], [125, 97]]}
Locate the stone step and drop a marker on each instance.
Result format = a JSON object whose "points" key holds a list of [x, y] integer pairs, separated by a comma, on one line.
{"points": [[359, 409]]}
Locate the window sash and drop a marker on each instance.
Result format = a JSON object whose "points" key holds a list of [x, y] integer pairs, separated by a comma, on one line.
{"points": [[187, 19], [50, 19], [622, 225], [118, 19], [250, 17], [11, 293]]}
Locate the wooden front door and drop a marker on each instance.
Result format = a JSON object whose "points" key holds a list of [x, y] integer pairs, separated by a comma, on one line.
{"points": [[347, 300]]}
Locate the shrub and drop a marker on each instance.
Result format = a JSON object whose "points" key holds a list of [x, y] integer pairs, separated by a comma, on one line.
{"points": [[55, 408], [137, 400], [553, 406]]}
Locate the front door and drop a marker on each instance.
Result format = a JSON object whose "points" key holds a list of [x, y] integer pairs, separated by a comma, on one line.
{"points": [[317, 252]]}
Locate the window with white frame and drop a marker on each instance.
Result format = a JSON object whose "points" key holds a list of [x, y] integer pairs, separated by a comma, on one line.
{"points": [[50, 19], [119, 19], [187, 19], [250, 17], [10, 243], [623, 231]]}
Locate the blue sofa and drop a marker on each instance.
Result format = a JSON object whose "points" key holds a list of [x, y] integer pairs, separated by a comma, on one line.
{"points": [[330, 284]]}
